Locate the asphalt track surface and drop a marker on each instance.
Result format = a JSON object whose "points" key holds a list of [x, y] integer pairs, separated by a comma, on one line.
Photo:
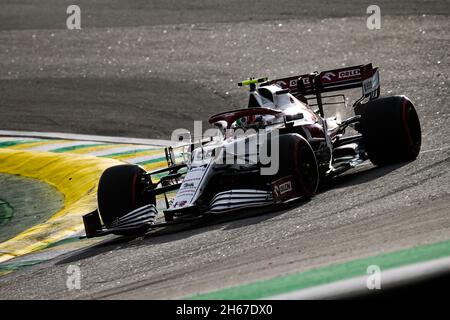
{"points": [[142, 70]]}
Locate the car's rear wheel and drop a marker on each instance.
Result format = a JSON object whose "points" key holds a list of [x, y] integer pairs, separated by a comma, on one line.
{"points": [[119, 192], [391, 130], [297, 159]]}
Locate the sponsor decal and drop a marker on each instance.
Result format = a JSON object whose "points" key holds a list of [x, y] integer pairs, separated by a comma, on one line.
{"points": [[328, 76], [367, 86], [292, 83], [349, 73], [371, 84], [190, 185], [282, 189], [179, 204], [285, 187]]}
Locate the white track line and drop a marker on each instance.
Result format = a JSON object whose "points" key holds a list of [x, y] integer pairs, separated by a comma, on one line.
{"points": [[84, 137], [144, 158], [54, 146], [356, 286], [113, 150], [5, 139]]}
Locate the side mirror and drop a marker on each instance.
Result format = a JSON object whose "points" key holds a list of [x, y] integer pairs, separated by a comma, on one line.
{"points": [[182, 136]]}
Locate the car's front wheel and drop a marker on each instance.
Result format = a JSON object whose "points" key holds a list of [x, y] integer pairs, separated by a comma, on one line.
{"points": [[119, 192]]}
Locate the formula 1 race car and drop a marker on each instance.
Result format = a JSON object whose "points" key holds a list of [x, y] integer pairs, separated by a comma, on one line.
{"points": [[275, 151]]}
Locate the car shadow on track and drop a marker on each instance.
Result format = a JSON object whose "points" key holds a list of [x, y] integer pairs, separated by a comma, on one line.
{"points": [[176, 232], [361, 175], [222, 221]]}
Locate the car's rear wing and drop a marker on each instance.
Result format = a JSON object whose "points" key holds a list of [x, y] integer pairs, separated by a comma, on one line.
{"points": [[364, 76]]}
